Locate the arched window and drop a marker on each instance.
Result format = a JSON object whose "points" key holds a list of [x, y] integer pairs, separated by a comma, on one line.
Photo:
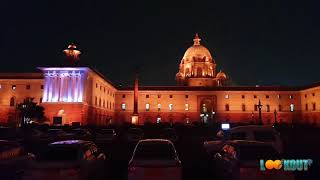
{"points": [[12, 101], [227, 107], [187, 72], [268, 108]]}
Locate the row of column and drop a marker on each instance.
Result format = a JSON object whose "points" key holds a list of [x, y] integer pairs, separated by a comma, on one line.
{"points": [[63, 87]]}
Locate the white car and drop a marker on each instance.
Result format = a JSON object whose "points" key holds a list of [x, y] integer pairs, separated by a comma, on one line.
{"points": [[154, 159], [266, 134]]}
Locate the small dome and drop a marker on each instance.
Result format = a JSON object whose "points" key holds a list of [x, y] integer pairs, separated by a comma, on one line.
{"points": [[197, 52], [221, 75]]}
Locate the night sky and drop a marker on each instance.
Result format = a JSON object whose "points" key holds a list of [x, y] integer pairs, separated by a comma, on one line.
{"points": [[262, 42]]}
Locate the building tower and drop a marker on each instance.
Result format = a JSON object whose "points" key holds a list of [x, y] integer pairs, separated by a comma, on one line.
{"points": [[197, 67], [72, 54], [135, 115]]}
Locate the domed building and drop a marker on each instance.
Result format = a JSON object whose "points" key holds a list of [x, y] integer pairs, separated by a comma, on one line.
{"points": [[198, 68]]}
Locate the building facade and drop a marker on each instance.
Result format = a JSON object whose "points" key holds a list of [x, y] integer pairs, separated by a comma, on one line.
{"points": [[83, 95]]}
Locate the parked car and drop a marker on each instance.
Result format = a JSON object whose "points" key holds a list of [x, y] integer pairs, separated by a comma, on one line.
{"points": [[71, 159], [154, 159], [81, 133], [135, 134], [13, 159], [239, 159], [105, 135], [56, 134], [169, 134], [11, 134], [263, 133]]}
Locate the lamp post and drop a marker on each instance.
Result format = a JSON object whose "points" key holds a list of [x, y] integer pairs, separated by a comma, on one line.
{"points": [[260, 107]]}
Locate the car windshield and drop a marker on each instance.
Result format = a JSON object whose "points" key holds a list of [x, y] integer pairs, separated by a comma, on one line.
{"points": [[56, 153], [265, 136], [155, 150], [254, 152]]}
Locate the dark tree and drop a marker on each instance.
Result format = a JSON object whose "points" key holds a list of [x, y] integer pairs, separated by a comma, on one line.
{"points": [[30, 109]]}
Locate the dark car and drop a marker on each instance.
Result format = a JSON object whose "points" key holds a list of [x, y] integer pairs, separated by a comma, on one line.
{"points": [[80, 133], [71, 159], [169, 134], [105, 136], [134, 135], [13, 159], [239, 159]]}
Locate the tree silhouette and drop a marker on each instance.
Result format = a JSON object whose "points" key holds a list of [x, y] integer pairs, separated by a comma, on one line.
{"points": [[30, 109]]}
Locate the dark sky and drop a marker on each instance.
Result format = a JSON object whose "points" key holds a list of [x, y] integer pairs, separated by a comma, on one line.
{"points": [[255, 42]]}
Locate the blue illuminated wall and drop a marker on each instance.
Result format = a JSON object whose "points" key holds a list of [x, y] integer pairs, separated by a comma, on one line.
{"points": [[64, 84]]}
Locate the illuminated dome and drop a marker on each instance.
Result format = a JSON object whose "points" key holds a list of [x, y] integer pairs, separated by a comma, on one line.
{"points": [[221, 75], [197, 52]]}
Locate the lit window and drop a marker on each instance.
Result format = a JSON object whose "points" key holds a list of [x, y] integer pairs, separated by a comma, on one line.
{"points": [[0, 86], [147, 96], [14, 87], [170, 107], [186, 107], [226, 96], [268, 108], [158, 120], [291, 97], [147, 107], [28, 86], [291, 107], [159, 107], [123, 106]]}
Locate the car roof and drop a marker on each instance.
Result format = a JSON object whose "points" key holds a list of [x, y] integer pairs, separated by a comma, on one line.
{"points": [[252, 127], [155, 141], [70, 143], [246, 142]]}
